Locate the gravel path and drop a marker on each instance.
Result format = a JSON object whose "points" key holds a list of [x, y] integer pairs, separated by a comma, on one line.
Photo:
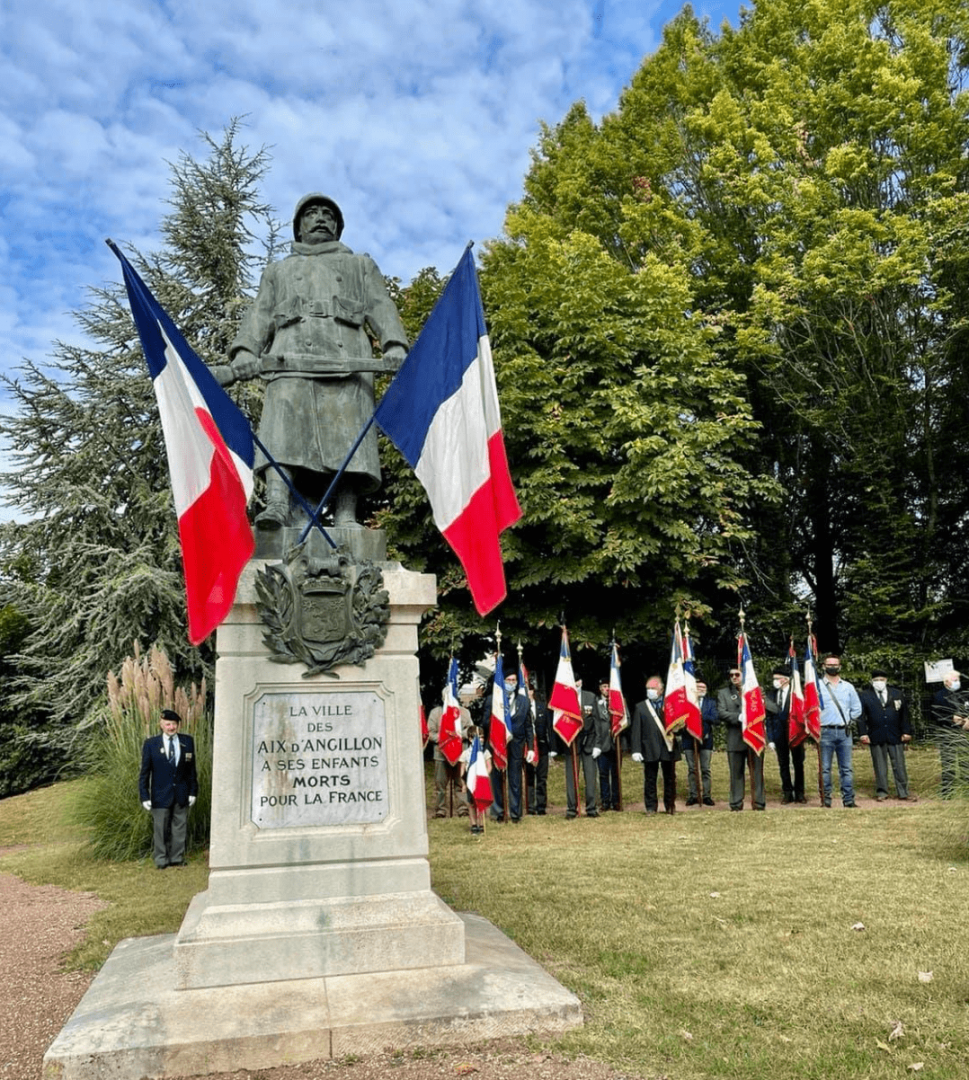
{"points": [[40, 923]]}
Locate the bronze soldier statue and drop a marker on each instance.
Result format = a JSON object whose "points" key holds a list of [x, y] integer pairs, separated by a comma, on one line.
{"points": [[307, 335]]}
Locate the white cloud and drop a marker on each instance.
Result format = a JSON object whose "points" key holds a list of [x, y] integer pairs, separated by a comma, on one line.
{"points": [[417, 116]]}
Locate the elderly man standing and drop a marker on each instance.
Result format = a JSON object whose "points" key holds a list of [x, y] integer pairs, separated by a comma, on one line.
{"points": [[884, 727], [739, 756], [841, 707], [777, 703], [654, 748], [167, 786], [306, 335], [950, 714]]}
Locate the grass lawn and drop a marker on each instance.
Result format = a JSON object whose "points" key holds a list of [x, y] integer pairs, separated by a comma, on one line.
{"points": [[704, 945]]}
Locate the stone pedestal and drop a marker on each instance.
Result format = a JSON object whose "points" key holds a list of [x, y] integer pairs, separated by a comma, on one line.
{"points": [[319, 935], [318, 857]]}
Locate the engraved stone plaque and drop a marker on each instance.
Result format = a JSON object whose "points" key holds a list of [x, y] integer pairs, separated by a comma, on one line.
{"points": [[319, 758]]}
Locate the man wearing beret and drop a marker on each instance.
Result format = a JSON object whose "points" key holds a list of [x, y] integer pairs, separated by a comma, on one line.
{"points": [[777, 703], [884, 727], [168, 786]]}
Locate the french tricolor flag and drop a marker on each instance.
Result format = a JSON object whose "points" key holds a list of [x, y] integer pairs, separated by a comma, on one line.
{"points": [[441, 412], [210, 459]]}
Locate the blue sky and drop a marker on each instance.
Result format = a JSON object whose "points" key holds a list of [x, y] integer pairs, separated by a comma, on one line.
{"points": [[417, 116]]}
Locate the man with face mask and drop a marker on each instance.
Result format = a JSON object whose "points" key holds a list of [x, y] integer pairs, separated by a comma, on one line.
{"points": [[519, 745], [950, 713], [777, 704], [884, 727], [654, 748], [709, 717], [739, 760], [841, 706]]}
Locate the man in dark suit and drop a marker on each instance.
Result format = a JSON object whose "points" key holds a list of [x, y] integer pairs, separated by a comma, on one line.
{"points": [[950, 714], [777, 705], [884, 727], [608, 756], [168, 786], [654, 748], [739, 757], [536, 775]]}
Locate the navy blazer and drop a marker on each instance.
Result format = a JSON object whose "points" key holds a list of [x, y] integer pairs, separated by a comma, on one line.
{"points": [[158, 781], [884, 724]]}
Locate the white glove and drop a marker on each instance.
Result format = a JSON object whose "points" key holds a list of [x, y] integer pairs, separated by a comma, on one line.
{"points": [[553, 753], [147, 804], [191, 800], [773, 747], [638, 758], [530, 757], [595, 752]]}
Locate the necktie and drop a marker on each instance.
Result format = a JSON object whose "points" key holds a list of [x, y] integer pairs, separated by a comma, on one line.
{"points": [[171, 749], [883, 694]]}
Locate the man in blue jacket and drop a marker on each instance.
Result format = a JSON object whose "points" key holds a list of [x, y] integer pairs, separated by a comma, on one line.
{"points": [[884, 727], [168, 786]]}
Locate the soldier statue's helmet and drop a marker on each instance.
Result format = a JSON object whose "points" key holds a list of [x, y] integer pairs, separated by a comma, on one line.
{"points": [[309, 200]]}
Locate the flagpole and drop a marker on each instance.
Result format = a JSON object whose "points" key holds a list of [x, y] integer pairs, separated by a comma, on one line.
{"points": [[618, 738], [740, 658]]}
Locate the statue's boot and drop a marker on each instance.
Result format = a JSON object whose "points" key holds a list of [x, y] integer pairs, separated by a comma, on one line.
{"points": [[345, 510], [277, 511]]}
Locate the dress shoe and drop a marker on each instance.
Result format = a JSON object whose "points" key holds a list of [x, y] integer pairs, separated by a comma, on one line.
{"points": [[650, 812], [760, 807], [788, 797], [800, 799], [692, 802], [708, 801], [851, 806], [827, 802], [592, 813], [670, 809], [881, 796], [736, 809]]}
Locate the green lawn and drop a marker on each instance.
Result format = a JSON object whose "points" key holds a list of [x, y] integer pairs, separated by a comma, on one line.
{"points": [[704, 945]]}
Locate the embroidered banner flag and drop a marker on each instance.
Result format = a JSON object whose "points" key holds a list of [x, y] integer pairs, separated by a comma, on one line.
{"points": [[796, 731], [441, 411], [498, 732], [618, 713], [425, 734], [813, 698], [478, 781], [210, 458], [564, 699], [694, 718], [449, 735], [675, 703], [752, 710]]}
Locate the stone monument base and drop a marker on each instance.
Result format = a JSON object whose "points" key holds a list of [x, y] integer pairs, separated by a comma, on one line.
{"points": [[132, 1022]]}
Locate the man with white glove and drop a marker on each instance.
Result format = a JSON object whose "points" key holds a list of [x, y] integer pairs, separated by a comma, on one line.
{"points": [[168, 786], [655, 748]]}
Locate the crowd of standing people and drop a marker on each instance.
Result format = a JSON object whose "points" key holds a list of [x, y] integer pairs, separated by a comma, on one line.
{"points": [[878, 712]]}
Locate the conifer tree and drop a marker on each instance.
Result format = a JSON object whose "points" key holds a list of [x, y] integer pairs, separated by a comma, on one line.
{"points": [[93, 562]]}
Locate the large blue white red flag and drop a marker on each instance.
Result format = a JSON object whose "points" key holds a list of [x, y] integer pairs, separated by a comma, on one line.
{"points": [[449, 734], [564, 699], [618, 713], [441, 411], [796, 730], [477, 779], [694, 718], [752, 710], [813, 698], [210, 459], [498, 732]]}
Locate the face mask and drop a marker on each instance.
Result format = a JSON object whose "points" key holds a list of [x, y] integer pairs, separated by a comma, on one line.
{"points": [[510, 687], [832, 671], [653, 695], [954, 685], [777, 684], [878, 685]]}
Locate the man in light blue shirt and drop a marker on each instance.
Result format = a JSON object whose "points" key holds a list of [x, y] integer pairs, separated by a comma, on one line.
{"points": [[841, 706]]}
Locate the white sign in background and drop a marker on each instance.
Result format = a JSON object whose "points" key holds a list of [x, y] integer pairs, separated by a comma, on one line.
{"points": [[319, 759]]}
